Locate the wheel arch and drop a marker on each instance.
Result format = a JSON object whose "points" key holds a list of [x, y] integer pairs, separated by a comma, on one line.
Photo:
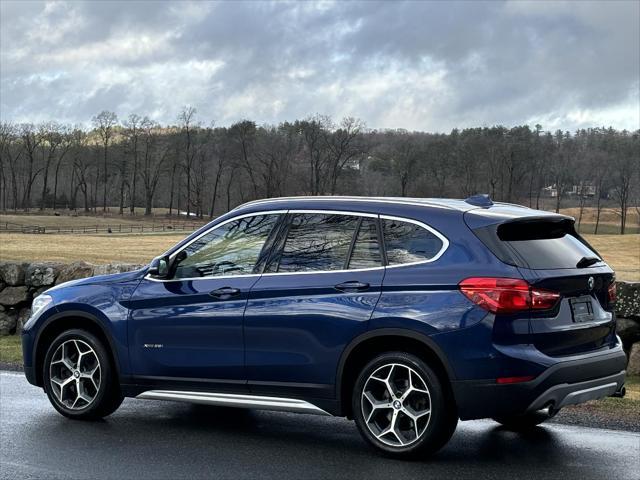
{"points": [[366, 346], [66, 320]]}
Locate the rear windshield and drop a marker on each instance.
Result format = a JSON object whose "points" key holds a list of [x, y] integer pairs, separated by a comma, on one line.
{"points": [[539, 244]]}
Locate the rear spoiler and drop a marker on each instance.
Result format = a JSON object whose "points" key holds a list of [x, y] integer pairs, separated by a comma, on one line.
{"points": [[500, 214], [528, 228]]}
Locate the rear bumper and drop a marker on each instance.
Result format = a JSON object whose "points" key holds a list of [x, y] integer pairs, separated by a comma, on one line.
{"points": [[575, 393], [564, 383]]}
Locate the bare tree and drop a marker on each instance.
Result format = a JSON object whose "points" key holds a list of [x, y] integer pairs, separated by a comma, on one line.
{"points": [[10, 154], [561, 165], [63, 150], [400, 151], [155, 153], [30, 142], [312, 132], [186, 120], [626, 163], [343, 146], [105, 123], [243, 136], [81, 166], [54, 145], [132, 134]]}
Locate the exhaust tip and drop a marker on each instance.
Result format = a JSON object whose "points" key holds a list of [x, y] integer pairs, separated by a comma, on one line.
{"points": [[620, 393]]}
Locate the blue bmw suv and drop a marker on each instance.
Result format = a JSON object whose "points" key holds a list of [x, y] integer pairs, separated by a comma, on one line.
{"points": [[404, 315]]}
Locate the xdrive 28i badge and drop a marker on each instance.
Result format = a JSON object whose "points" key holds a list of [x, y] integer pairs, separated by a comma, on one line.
{"points": [[591, 282]]}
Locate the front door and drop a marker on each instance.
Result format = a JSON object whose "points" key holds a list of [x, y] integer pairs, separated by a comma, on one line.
{"points": [[317, 294], [189, 327]]}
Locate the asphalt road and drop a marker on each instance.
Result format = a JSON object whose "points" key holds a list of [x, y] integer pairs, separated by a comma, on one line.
{"points": [[151, 439]]}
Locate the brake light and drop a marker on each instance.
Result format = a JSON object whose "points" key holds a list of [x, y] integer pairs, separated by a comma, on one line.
{"points": [[507, 295], [612, 293]]}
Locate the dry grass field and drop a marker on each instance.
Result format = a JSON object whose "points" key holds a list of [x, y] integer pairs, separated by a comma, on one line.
{"points": [[609, 220], [90, 248], [622, 252]]}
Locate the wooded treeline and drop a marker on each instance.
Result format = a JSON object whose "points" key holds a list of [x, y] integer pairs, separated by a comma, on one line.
{"points": [[202, 169]]}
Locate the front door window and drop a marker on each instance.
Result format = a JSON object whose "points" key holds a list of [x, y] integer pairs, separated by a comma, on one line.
{"points": [[231, 249]]}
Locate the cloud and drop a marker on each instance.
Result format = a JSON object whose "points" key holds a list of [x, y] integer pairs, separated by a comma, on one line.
{"points": [[417, 65]]}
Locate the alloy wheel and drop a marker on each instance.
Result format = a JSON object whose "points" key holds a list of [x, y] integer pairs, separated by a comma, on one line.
{"points": [[74, 374], [396, 405]]}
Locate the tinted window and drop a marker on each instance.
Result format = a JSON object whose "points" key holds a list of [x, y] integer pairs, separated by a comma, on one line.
{"points": [[544, 245], [317, 242], [407, 243], [366, 250], [232, 249]]}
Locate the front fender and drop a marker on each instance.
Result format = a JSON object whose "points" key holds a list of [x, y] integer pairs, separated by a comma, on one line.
{"points": [[100, 304]]}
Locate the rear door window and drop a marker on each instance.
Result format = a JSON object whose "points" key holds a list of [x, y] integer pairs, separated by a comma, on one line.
{"points": [[407, 242], [316, 242]]}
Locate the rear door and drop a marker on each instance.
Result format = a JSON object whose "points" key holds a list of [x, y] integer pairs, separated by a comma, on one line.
{"points": [[550, 255], [317, 294]]}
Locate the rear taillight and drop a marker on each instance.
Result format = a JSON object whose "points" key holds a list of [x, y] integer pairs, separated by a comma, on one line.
{"points": [[507, 295], [612, 293]]}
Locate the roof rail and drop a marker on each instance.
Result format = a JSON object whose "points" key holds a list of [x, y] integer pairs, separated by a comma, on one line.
{"points": [[481, 200]]}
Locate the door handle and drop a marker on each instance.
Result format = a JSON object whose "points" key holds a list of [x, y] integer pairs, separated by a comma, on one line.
{"points": [[225, 293], [353, 286]]}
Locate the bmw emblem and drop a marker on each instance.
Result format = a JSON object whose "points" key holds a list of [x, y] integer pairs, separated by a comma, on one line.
{"points": [[591, 282]]}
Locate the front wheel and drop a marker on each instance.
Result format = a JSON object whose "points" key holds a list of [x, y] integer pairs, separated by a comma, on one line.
{"points": [[79, 378], [401, 408]]}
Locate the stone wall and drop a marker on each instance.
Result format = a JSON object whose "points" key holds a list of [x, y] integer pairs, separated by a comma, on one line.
{"points": [[21, 282]]}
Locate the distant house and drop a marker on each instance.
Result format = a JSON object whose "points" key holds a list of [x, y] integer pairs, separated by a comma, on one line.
{"points": [[586, 189], [352, 164]]}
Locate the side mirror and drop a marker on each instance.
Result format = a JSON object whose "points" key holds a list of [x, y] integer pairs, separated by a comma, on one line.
{"points": [[159, 267]]}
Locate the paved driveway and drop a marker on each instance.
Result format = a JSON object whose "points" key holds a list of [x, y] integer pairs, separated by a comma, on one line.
{"points": [[149, 439]]}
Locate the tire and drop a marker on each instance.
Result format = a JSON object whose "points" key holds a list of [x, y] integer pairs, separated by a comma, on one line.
{"points": [[527, 421], [424, 401], [79, 377]]}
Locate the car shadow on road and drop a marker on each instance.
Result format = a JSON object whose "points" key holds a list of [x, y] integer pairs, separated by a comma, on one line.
{"points": [[250, 436]]}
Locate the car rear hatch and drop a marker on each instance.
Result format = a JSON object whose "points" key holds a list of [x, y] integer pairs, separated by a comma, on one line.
{"points": [[552, 257]]}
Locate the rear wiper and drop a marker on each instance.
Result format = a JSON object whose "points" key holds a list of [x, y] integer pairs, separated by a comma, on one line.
{"points": [[587, 262]]}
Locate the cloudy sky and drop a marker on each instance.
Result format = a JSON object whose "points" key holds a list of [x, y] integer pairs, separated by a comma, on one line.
{"points": [[415, 65]]}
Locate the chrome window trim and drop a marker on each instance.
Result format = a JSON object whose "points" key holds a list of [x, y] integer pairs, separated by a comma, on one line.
{"points": [[445, 244], [442, 238]]}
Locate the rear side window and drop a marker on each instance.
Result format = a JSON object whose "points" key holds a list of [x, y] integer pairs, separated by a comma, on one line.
{"points": [[317, 242], [539, 244], [408, 243]]}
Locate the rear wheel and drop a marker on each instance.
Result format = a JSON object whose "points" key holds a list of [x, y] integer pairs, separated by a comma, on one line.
{"points": [[526, 421], [400, 406], [79, 378]]}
